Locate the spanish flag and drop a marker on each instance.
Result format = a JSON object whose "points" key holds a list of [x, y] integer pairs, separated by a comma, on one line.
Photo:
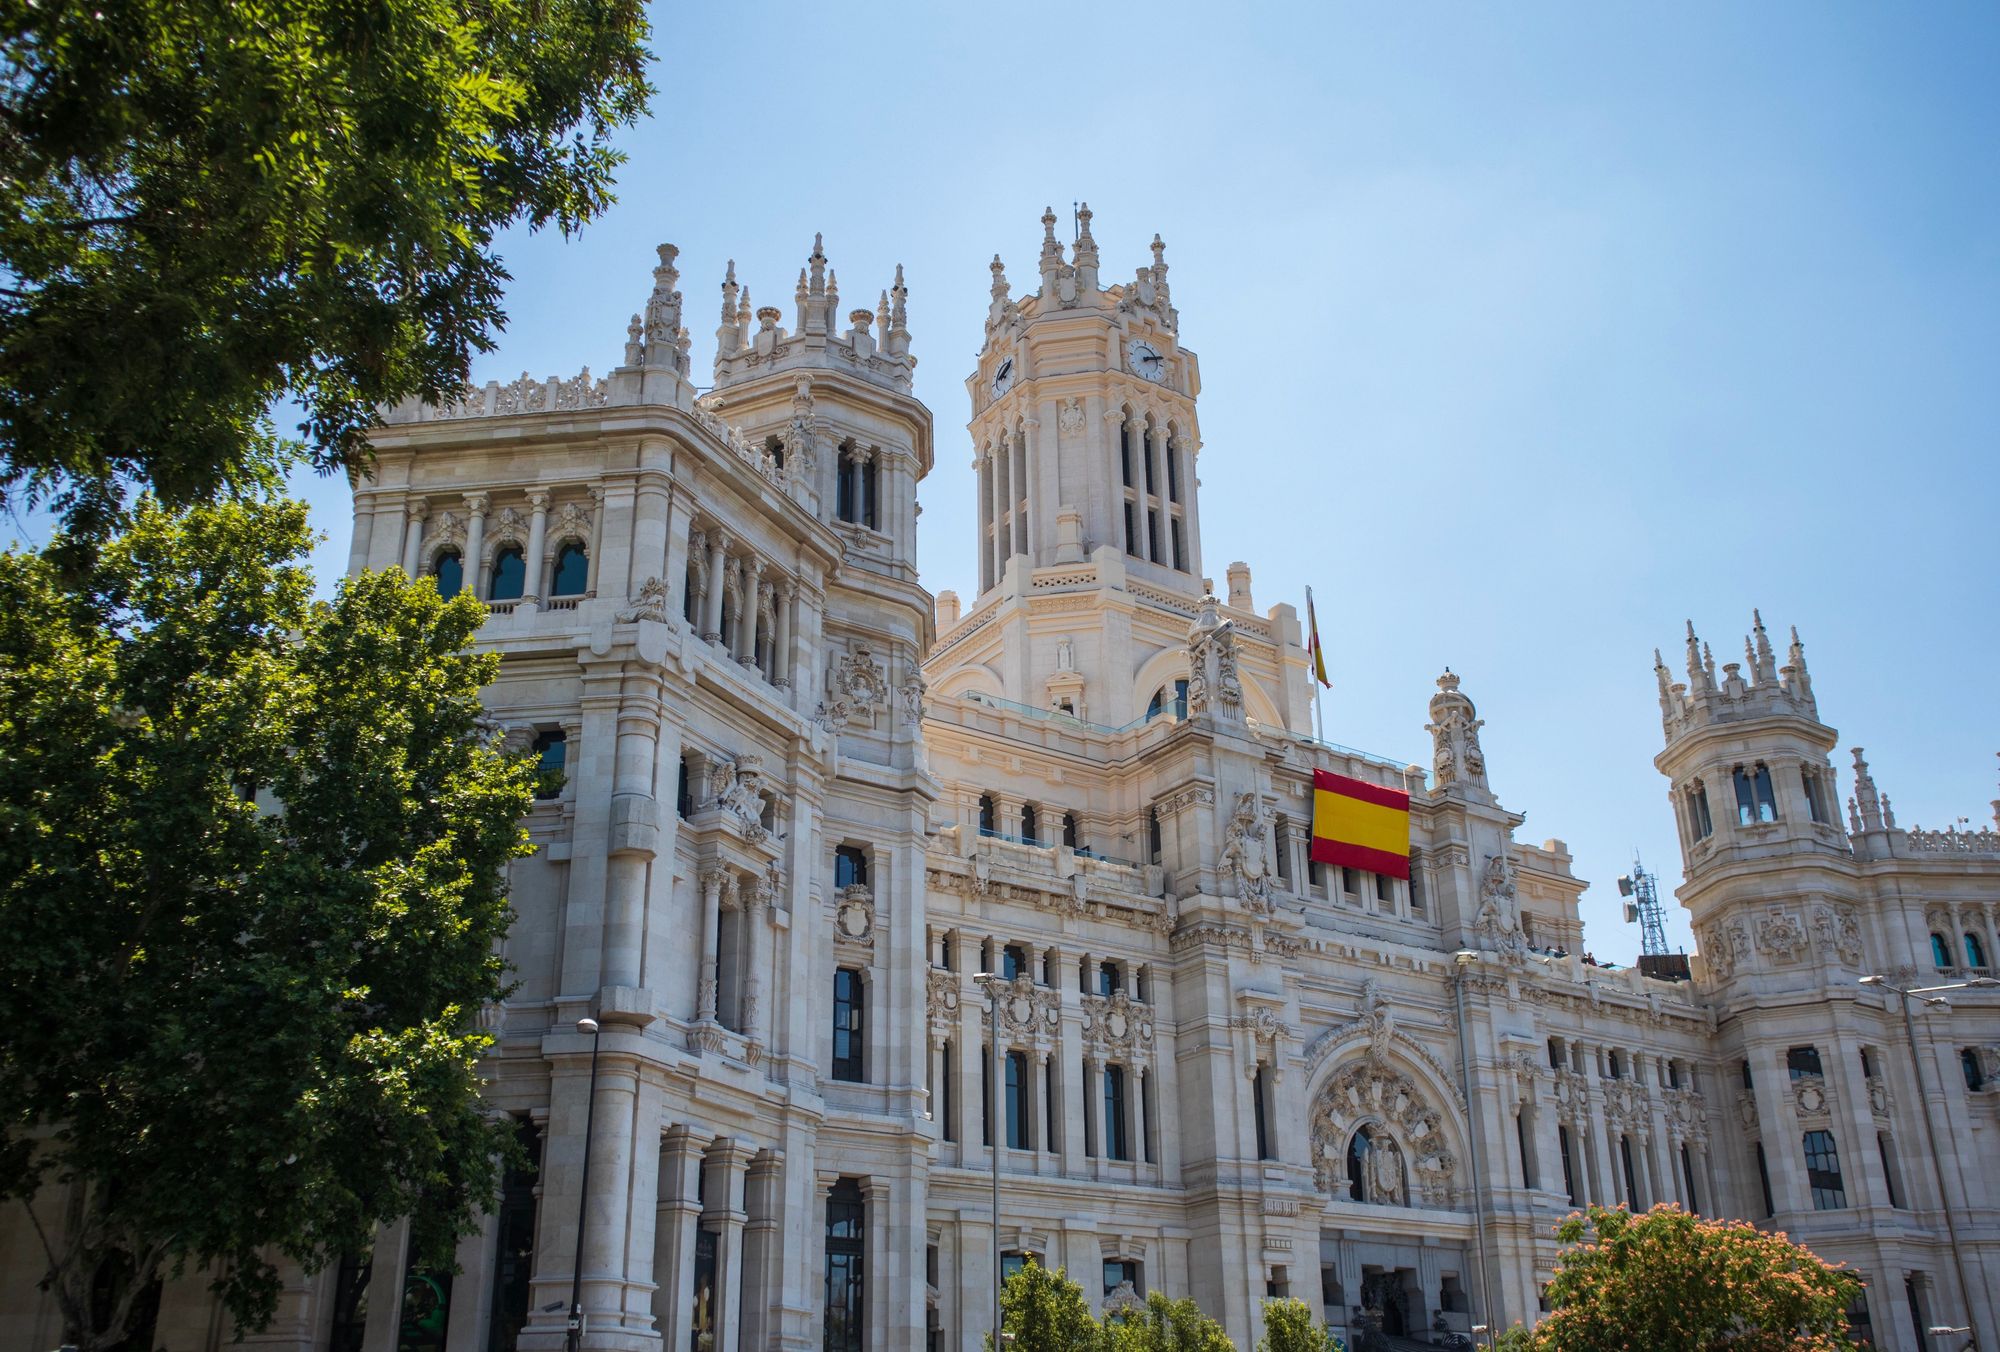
{"points": [[1360, 825], [1312, 643]]}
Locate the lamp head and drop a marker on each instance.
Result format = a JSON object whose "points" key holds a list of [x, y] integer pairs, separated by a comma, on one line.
{"points": [[587, 1026], [1465, 957], [1870, 981]]}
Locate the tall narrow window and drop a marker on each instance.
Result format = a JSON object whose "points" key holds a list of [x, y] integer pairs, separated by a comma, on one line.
{"points": [[1887, 1150], [1153, 844], [551, 755], [1814, 784], [1173, 474], [1767, 800], [870, 473], [1031, 824], [1358, 1146], [1051, 1120], [1823, 1172], [510, 575], [449, 570], [986, 814], [1968, 1066], [1180, 546], [571, 576], [1017, 1100], [1281, 835], [691, 591], [1631, 1182], [1150, 441], [514, 1247], [1940, 952], [1109, 979], [1013, 961], [1521, 1143], [1070, 837], [1975, 951], [1764, 1180], [1257, 1092], [846, 1239], [1125, 457], [848, 1043], [1116, 1146], [684, 790], [1699, 820], [845, 505], [1131, 530], [1153, 532], [1754, 800], [1687, 1179], [1569, 1169], [948, 1067]]}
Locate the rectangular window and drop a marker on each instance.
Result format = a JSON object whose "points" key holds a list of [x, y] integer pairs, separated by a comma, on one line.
{"points": [[1385, 891], [701, 1309], [1116, 1146], [1257, 1091], [1569, 1169], [948, 1067], [1012, 1262], [850, 866], [1888, 1152], [1149, 443], [1699, 820], [1969, 1067], [1013, 961], [1121, 1272], [1802, 1061], [1764, 1180], [1131, 529], [847, 1026], [1631, 1182], [1017, 1101], [1051, 1123], [1173, 474], [1282, 834], [846, 1240], [1153, 533], [843, 481], [1521, 1142], [514, 1251], [1687, 1180], [1180, 545], [1823, 1172], [1125, 457], [1816, 796], [1109, 981]]}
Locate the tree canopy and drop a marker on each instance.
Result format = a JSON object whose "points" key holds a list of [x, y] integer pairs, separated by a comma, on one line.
{"points": [[252, 855], [1289, 1326], [209, 205], [1666, 1278]]}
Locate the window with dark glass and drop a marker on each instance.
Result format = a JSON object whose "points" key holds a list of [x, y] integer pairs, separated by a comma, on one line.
{"points": [[1051, 1121], [551, 754], [1764, 1180], [1555, 1054], [1569, 1170], [1687, 1179], [1802, 1061], [850, 866], [1109, 979], [426, 1307], [1121, 1272], [1153, 532], [1151, 441], [1521, 1144], [449, 570], [1069, 836], [1179, 544], [1755, 801], [1968, 1065], [1013, 961], [1012, 1262], [1940, 952], [948, 1067], [1975, 951], [1125, 453], [1031, 824], [1823, 1172], [1155, 847], [846, 1238], [1887, 1150], [1258, 1089], [1017, 1100], [1617, 1064], [1631, 1180], [350, 1303], [1173, 475], [1116, 1146], [690, 597], [514, 1244], [684, 791], [848, 1043], [1358, 1146], [1860, 1325], [701, 1309], [510, 575], [1814, 784], [571, 575], [1131, 530], [1746, 1075], [1699, 820], [986, 814]]}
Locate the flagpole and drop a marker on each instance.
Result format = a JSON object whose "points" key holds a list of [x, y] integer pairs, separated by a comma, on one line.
{"points": [[1319, 713]]}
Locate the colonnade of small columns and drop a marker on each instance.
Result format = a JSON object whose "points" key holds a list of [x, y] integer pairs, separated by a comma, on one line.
{"points": [[741, 602], [1597, 1138], [420, 553], [1003, 504], [1156, 472]]}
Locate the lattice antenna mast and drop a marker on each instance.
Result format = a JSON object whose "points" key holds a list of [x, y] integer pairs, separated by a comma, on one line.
{"points": [[1642, 907]]}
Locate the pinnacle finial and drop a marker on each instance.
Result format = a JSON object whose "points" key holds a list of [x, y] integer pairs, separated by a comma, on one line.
{"points": [[1083, 224], [1159, 251], [1048, 225], [899, 296]]}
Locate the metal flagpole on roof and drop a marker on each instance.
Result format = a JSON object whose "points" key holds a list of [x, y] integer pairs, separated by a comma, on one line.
{"points": [[1316, 659]]}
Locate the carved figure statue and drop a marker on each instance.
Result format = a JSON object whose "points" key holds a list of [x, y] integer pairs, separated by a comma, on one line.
{"points": [[1385, 1172], [1244, 853]]}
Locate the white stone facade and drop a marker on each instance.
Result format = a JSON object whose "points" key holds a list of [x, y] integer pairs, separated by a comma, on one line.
{"points": [[798, 796]]}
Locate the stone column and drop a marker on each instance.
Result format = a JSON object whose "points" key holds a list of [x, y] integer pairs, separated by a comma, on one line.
{"points": [[677, 1218], [596, 539], [413, 535], [385, 1317], [983, 466], [763, 1204], [475, 542], [746, 620], [878, 1276], [712, 881], [468, 1322], [1156, 456], [634, 841], [997, 470], [711, 608], [538, 536], [781, 654], [1022, 492], [727, 1162], [756, 917]]}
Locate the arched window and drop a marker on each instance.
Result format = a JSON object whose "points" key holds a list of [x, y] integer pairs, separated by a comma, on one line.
{"points": [[986, 814], [572, 571], [1030, 824], [1169, 701], [1940, 952], [1975, 952], [1699, 821], [510, 575], [449, 570], [1755, 800], [1358, 1147]]}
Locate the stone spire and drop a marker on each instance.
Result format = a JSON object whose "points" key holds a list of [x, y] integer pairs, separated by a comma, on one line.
{"points": [[665, 346], [1763, 665], [1699, 676], [1085, 253], [1669, 705], [996, 310], [1052, 254], [1796, 679], [1454, 728], [729, 333], [897, 339], [1869, 816], [882, 314]]}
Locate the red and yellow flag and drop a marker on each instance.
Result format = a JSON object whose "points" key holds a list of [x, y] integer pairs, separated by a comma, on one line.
{"points": [[1360, 825], [1312, 643]]}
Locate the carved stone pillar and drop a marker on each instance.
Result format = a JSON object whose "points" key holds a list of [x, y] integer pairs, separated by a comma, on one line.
{"points": [[727, 1162], [413, 535], [677, 1219], [538, 532], [475, 542], [711, 611], [712, 880], [747, 616], [781, 656], [756, 917], [596, 538]]}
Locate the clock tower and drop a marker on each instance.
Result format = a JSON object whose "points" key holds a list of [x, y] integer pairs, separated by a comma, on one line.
{"points": [[1085, 441]]}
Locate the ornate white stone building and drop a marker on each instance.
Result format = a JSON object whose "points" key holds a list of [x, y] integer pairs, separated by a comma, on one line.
{"points": [[802, 810]]}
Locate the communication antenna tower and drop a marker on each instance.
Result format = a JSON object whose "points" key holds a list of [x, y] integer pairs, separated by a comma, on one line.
{"points": [[1642, 907]]}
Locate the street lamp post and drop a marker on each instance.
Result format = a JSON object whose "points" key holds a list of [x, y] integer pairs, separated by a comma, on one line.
{"points": [[1464, 959], [1933, 998], [992, 985], [574, 1341]]}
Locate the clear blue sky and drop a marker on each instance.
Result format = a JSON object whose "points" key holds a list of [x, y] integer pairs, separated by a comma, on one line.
{"points": [[1527, 331]]}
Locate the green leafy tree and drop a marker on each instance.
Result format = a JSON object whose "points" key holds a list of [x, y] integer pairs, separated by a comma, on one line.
{"points": [[209, 205], [252, 851], [1666, 1279], [1045, 1311], [1165, 1326], [1289, 1326]]}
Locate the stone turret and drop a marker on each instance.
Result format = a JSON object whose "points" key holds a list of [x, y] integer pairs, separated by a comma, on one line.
{"points": [[875, 346]]}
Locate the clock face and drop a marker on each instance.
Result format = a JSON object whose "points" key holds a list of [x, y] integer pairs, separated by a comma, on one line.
{"points": [[1003, 379], [1145, 360]]}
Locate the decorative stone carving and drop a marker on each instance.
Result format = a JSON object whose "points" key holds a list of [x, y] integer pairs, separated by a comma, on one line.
{"points": [[651, 602], [1838, 934], [737, 788], [1116, 1024], [1780, 935], [854, 682], [1399, 1118], [854, 917], [1454, 730], [1070, 419], [911, 698], [941, 998], [1262, 1024], [1123, 1300], [1029, 1011], [1879, 1099], [1245, 855], [1809, 1095]]}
